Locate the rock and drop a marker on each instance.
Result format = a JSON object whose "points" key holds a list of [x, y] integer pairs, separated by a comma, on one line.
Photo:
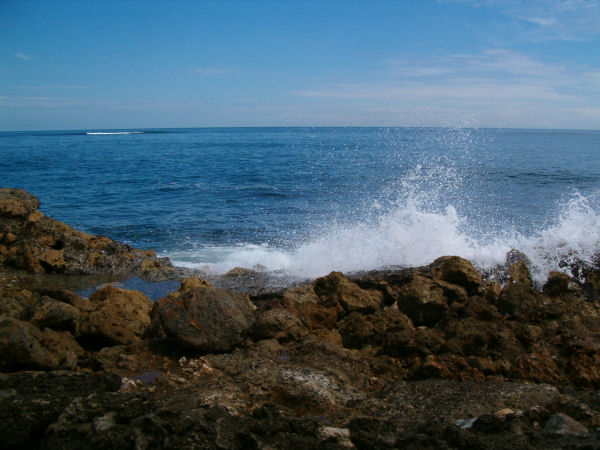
{"points": [[563, 424], [422, 300], [56, 315], [557, 284], [193, 282], [208, 319], [340, 436], [114, 316], [280, 324], [336, 289], [17, 202], [457, 270], [519, 274], [36, 243], [21, 347], [301, 294]]}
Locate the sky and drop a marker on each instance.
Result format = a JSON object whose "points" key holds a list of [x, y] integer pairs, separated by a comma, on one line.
{"points": [[457, 63]]}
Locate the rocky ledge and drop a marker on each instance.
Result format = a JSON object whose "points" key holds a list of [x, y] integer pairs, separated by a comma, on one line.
{"points": [[430, 357]]}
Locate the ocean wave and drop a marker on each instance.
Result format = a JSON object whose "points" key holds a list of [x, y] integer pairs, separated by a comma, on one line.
{"points": [[93, 133], [409, 236]]}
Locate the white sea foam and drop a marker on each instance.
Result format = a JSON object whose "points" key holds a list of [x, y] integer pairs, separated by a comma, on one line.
{"points": [[113, 132], [411, 236]]}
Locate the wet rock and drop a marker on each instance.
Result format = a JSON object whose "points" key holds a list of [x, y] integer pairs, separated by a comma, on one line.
{"points": [[519, 274], [114, 316], [557, 284], [208, 319], [457, 270], [563, 424], [336, 289]]}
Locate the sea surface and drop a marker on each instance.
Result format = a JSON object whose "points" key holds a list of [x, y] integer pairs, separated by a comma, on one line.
{"points": [[306, 201]]}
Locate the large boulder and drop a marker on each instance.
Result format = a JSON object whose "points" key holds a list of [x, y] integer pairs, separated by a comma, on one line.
{"points": [[207, 319], [114, 316]]}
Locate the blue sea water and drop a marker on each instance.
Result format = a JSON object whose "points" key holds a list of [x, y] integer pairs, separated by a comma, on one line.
{"points": [[305, 201]]}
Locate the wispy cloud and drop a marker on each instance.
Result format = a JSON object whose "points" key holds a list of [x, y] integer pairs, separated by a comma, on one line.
{"points": [[23, 56], [567, 20], [496, 84]]}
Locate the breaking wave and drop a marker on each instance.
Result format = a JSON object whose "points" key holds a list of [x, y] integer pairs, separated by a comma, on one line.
{"points": [[410, 235]]}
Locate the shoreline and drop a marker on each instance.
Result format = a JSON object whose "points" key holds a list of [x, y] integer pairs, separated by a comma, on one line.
{"points": [[436, 356]]}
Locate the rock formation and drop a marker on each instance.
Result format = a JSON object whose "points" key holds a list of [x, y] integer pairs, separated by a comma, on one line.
{"points": [[428, 357]]}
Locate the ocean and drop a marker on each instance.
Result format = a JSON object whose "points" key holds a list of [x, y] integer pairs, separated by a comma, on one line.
{"points": [[305, 201]]}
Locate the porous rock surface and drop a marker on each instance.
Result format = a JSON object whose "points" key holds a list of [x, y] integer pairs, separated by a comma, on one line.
{"points": [[36, 243]]}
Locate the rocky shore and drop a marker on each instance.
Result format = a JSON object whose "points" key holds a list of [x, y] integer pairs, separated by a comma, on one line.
{"points": [[429, 357]]}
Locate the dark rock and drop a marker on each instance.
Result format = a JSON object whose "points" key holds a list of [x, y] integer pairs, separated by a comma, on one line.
{"points": [[422, 300], [563, 424], [207, 319], [23, 346], [557, 284]]}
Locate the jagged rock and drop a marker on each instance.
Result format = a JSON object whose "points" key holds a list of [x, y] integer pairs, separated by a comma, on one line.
{"points": [[457, 270], [519, 274], [207, 319], [557, 284], [301, 294], [36, 243], [39, 398], [336, 289], [422, 300], [114, 316]]}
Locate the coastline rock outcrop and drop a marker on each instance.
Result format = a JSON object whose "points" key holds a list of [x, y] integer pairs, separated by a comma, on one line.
{"points": [[35, 243], [426, 357]]}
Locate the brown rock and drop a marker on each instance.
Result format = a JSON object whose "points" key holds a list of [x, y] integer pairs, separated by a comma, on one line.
{"points": [[280, 324], [422, 300], [114, 316], [519, 274], [317, 316], [336, 289], [208, 319], [457, 270]]}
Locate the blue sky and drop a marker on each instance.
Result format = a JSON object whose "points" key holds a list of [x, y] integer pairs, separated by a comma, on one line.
{"points": [[128, 64]]}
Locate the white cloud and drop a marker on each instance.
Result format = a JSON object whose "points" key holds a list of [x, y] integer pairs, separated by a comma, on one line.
{"points": [[567, 20], [501, 86], [23, 56]]}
